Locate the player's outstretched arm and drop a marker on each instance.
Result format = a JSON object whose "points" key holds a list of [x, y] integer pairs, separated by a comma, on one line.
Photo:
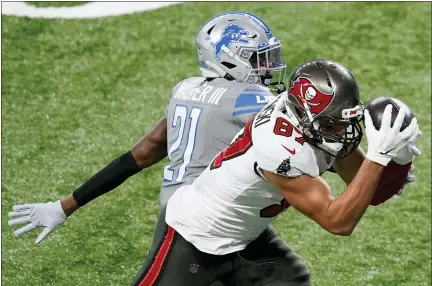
{"points": [[340, 215], [150, 150], [312, 197], [348, 167]]}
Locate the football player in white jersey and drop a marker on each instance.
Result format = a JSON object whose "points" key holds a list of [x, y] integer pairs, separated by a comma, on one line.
{"points": [[208, 231]]}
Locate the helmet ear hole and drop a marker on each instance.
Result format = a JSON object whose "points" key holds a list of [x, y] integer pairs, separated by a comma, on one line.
{"points": [[210, 30], [229, 65], [318, 64]]}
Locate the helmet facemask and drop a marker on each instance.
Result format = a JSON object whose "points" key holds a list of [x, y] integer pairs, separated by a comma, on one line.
{"points": [[265, 64], [337, 137]]}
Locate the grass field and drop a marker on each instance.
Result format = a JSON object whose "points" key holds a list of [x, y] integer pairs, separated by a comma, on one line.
{"points": [[78, 93]]}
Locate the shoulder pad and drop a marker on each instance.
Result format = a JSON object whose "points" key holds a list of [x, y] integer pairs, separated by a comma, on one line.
{"points": [[196, 79], [280, 147], [251, 99]]}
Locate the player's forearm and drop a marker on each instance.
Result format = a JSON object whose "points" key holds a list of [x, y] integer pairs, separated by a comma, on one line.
{"points": [[111, 177], [106, 179], [150, 150], [347, 209]]}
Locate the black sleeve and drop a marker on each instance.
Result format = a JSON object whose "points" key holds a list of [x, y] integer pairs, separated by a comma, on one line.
{"points": [[107, 179]]}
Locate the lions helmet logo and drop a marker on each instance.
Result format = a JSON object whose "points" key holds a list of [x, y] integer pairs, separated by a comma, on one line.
{"points": [[304, 90], [232, 33]]}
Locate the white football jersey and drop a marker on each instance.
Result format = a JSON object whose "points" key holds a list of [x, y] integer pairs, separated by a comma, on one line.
{"points": [[231, 202]]}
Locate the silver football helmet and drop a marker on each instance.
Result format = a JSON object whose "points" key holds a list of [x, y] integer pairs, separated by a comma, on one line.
{"points": [[240, 46]]}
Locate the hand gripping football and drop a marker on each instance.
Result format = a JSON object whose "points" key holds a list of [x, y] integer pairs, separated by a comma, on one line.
{"points": [[376, 109], [394, 175]]}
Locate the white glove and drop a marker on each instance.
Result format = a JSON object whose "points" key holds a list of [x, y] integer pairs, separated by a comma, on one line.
{"points": [[406, 154], [47, 215], [383, 144]]}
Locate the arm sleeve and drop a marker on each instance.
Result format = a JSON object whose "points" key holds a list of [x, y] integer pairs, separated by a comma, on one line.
{"points": [[107, 179]]}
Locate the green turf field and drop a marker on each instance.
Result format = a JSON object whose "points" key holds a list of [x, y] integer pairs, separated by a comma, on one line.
{"points": [[78, 93]]}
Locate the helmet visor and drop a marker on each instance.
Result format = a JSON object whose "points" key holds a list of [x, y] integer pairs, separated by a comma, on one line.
{"points": [[271, 58], [269, 65]]}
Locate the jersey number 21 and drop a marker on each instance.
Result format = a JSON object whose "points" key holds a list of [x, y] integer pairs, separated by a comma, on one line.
{"points": [[179, 121]]}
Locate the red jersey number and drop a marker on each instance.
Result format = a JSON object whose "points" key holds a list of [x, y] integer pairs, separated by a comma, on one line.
{"points": [[274, 210], [284, 128]]}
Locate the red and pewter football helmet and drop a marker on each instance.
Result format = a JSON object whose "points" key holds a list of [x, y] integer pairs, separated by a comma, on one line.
{"points": [[324, 97]]}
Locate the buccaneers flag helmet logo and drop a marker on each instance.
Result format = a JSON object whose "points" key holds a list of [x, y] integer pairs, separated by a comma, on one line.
{"points": [[304, 90]]}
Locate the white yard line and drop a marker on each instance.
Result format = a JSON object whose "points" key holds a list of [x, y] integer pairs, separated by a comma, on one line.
{"points": [[88, 10]]}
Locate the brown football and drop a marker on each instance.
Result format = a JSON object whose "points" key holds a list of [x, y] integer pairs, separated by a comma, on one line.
{"points": [[394, 175], [376, 109]]}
